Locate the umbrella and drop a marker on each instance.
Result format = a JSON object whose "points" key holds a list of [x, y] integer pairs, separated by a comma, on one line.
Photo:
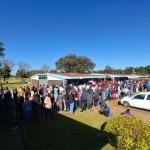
{"points": [[92, 82]]}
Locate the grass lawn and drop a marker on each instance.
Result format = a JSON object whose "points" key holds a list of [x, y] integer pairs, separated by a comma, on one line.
{"points": [[14, 83], [81, 131], [10, 139]]}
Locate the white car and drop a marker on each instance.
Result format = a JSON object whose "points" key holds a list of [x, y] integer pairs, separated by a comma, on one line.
{"points": [[140, 100]]}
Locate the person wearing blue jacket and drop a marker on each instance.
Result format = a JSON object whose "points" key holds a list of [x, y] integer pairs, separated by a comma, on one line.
{"points": [[107, 111]]}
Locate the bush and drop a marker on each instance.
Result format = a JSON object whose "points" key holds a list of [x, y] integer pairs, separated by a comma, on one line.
{"points": [[129, 133]]}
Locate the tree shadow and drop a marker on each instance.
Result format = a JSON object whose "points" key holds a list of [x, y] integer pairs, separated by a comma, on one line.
{"points": [[63, 133], [10, 139]]}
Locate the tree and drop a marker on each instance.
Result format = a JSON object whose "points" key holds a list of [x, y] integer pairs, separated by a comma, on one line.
{"points": [[84, 64], [1, 52], [24, 66], [1, 49], [23, 69], [147, 70], [73, 63], [45, 68], [108, 69], [10, 63], [129, 70], [5, 72], [1, 56]]}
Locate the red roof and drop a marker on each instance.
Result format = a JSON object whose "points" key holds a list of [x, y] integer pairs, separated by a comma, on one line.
{"points": [[72, 74]]}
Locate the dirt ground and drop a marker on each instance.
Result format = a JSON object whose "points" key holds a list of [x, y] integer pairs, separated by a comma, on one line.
{"points": [[142, 114]]}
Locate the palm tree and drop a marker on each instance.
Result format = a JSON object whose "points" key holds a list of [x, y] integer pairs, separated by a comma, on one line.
{"points": [[1, 50]]}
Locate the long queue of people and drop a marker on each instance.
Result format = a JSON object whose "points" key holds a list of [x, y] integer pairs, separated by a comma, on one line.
{"points": [[42, 102]]}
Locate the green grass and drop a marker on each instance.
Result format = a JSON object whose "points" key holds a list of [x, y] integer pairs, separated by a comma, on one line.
{"points": [[10, 139], [13, 82], [81, 131], [15, 85]]}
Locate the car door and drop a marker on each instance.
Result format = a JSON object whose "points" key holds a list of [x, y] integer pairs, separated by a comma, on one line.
{"points": [[138, 100], [147, 102]]}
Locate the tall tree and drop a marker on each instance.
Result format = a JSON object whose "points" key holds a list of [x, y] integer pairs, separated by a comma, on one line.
{"points": [[129, 70], [5, 72], [147, 69], [10, 63], [1, 56], [74, 63], [45, 68], [108, 69], [23, 69], [1, 49], [1, 52], [24, 66]]}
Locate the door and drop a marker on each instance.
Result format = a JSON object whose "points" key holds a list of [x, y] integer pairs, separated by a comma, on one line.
{"points": [[138, 100], [147, 102], [43, 80]]}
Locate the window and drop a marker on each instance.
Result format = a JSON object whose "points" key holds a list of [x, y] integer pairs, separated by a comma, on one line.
{"points": [[140, 97], [148, 97], [42, 77]]}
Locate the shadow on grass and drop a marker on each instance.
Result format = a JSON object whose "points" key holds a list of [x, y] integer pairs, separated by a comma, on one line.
{"points": [[63, 133], [10, 139]]}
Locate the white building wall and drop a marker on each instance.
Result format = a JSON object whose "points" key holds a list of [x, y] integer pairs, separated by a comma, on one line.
{"points": [[35, 78]]}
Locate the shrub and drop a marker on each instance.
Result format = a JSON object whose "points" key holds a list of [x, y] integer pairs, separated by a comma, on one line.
{"points": [[129, 133]]}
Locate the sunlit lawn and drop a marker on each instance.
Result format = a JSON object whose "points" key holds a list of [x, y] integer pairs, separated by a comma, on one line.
{"points": [[14, 83], [80, 131]]}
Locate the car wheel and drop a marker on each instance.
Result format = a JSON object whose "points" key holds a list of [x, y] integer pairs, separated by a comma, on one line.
{"points": [[126, 104]]}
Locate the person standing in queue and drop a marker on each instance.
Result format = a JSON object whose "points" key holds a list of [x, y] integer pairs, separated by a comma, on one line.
{"points": [[20, 102], [47, 106]]}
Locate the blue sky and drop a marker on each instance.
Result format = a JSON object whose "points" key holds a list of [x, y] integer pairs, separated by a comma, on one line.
{"points": [[110, 32]]}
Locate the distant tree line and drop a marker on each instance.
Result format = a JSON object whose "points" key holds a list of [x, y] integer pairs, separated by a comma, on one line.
{"points": [[142, 70], [70, 63], [30, 73], [24, 70]]}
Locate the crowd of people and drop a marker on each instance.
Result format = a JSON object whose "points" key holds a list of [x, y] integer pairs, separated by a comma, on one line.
{"points": [[42, 102]]}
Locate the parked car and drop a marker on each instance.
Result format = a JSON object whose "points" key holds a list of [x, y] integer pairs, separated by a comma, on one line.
{"points": [[140, 100]]}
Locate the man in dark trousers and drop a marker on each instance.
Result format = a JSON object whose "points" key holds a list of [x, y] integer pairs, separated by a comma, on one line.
{"points": [[83, 100]]}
